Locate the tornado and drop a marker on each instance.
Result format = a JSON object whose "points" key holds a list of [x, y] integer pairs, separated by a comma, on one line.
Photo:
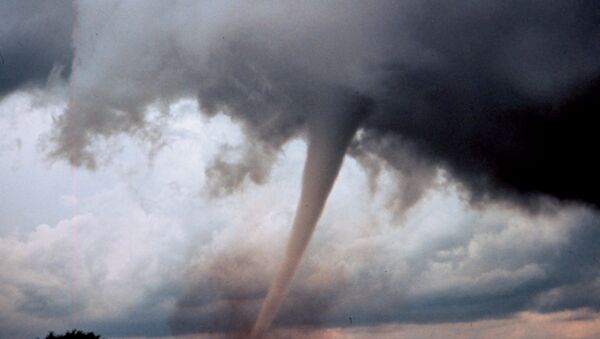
{"points": [[329, 134]]}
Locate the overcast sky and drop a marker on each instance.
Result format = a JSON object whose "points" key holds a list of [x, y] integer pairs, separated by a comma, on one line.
{"points": [[152, 156]]}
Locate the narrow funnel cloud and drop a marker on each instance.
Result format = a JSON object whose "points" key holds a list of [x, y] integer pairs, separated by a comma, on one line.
{"points": [[329, 136]]}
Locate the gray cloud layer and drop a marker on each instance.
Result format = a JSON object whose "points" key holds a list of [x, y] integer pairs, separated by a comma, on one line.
{"points": [[467, 270], [500, 93], [35, 37]]}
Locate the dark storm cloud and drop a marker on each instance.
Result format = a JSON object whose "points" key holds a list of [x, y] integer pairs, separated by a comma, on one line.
{"points": [[502, 94], [35, 37], [510, 102]]}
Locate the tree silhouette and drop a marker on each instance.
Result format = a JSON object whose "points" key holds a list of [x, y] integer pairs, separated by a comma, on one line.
{"points": [[74, 334]]}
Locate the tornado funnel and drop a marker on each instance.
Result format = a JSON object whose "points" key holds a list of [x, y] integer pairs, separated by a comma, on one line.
{"points": [[329, 136]]}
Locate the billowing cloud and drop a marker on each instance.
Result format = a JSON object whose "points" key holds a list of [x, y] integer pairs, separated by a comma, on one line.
{"points": [[497, 92], [500, 94], [445, 264], [153, 256]]}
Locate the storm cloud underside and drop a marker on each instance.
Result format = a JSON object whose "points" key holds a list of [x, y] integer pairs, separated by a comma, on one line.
{"points": [[501, 94]]}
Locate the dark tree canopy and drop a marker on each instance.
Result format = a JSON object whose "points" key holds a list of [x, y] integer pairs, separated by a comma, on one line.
{"points": [[74, 334]]}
